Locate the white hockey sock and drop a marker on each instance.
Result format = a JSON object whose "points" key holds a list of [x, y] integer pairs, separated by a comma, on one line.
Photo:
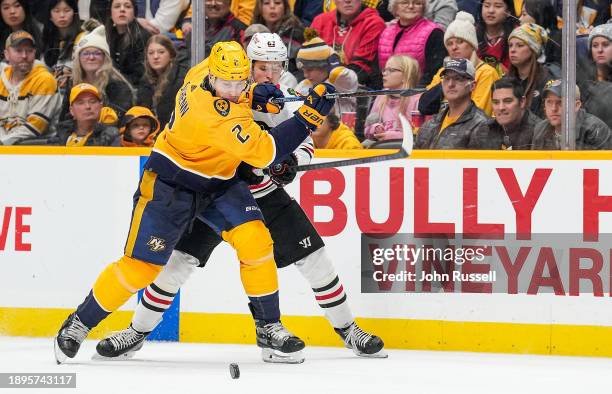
{"points": [[158, 296], [319, 271]]}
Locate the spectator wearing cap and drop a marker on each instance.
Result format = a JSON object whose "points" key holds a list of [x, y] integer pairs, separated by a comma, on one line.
{"points": [[127, 39], [16, 15], [85, 128], [165, 70], [94, 65], [594, 75], [527, 58], [461, 43], [320, 64], [276, 15], [29, 99], [591, 132], [139, 128], [461, 124], [513, 125], [353, 30], [413, 35]]}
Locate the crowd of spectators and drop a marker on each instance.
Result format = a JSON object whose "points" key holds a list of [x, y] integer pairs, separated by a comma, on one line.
{"points": [[106, 72]]}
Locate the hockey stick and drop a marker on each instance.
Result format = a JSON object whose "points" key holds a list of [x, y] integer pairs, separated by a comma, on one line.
{"points": [[405, 151], [359, 93]]}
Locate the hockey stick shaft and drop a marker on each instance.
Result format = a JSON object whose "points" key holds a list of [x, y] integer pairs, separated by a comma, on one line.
{"points": [[360, 93], [353, 162], [404, 151]]}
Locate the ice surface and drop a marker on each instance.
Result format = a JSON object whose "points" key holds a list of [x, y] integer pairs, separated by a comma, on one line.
{"points": [[184, 368]]}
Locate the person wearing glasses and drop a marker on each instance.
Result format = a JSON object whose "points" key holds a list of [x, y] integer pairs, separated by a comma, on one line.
{"points": [[414, 35], [93, 65], [591, 132], [460, 124], [461, 43], [28, 92], [400, 72]]}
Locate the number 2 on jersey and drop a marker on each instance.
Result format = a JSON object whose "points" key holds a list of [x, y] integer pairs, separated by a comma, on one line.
{"points": [[238, 129]]}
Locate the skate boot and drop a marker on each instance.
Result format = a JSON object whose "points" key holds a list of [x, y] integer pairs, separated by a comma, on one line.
{"points": [[121, 345], [362, 343], [69, 338], [277, 344]]}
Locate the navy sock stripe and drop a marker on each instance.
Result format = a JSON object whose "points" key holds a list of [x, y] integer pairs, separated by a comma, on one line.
{"points": [[335, 303], [151, 307], [327, 287], [160, 291]]}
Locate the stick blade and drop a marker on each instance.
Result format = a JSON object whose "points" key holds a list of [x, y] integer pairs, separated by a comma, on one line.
{"points": [[408, 137]]}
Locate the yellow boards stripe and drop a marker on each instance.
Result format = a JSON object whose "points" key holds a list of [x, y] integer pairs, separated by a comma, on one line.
{"points": [[551, 339], [147, 186]]}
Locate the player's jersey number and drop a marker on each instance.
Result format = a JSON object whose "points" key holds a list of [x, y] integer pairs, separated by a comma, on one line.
{"points": [[237, 130]]}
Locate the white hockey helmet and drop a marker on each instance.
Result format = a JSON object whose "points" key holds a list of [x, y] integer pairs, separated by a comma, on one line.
{"points": [[267, 47]]}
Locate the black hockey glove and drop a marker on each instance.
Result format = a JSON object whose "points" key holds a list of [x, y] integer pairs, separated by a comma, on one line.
{"points": [[246, 174], [284, 172]]}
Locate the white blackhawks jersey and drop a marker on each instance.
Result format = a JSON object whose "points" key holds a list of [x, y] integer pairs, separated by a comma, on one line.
{"points": [[303, 153]]}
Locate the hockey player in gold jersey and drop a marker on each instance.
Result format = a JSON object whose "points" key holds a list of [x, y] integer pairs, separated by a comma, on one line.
{"points": [[192, 173]]}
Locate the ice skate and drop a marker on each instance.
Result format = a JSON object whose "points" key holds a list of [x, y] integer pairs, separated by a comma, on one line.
{"points": [[362, 343], [120, 345], [69, 338], [278, 345]]}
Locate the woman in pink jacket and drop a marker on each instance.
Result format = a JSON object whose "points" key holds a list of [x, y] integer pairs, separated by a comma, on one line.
{"points": [[400, 72], [413, 35]]}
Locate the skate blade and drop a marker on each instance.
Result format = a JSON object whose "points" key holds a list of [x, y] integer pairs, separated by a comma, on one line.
{"points": [[125, 356], [274, 356], [60, 357], [379, 354]]}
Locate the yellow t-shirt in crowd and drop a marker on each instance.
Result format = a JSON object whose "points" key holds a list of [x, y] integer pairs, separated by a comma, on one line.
{"points": [[448, 120], [75, 140], [343, 138]]}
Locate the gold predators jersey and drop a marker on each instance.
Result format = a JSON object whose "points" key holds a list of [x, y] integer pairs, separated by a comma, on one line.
{"points": [[209, 136]]}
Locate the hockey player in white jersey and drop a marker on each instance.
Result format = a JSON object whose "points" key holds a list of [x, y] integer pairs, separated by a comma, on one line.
{"points": [[289, 227]]}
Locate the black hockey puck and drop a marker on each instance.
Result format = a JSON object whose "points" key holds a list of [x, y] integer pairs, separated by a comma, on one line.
{"points": [[234, 370]]}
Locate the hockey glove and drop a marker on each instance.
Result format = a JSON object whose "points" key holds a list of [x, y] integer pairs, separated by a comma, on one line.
{"points": [[259, 95], [246, 174], [284, 172], [316, 107]]}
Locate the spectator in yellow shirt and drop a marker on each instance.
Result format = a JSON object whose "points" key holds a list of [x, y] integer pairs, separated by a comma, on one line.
{"points": [[461, 43]]}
